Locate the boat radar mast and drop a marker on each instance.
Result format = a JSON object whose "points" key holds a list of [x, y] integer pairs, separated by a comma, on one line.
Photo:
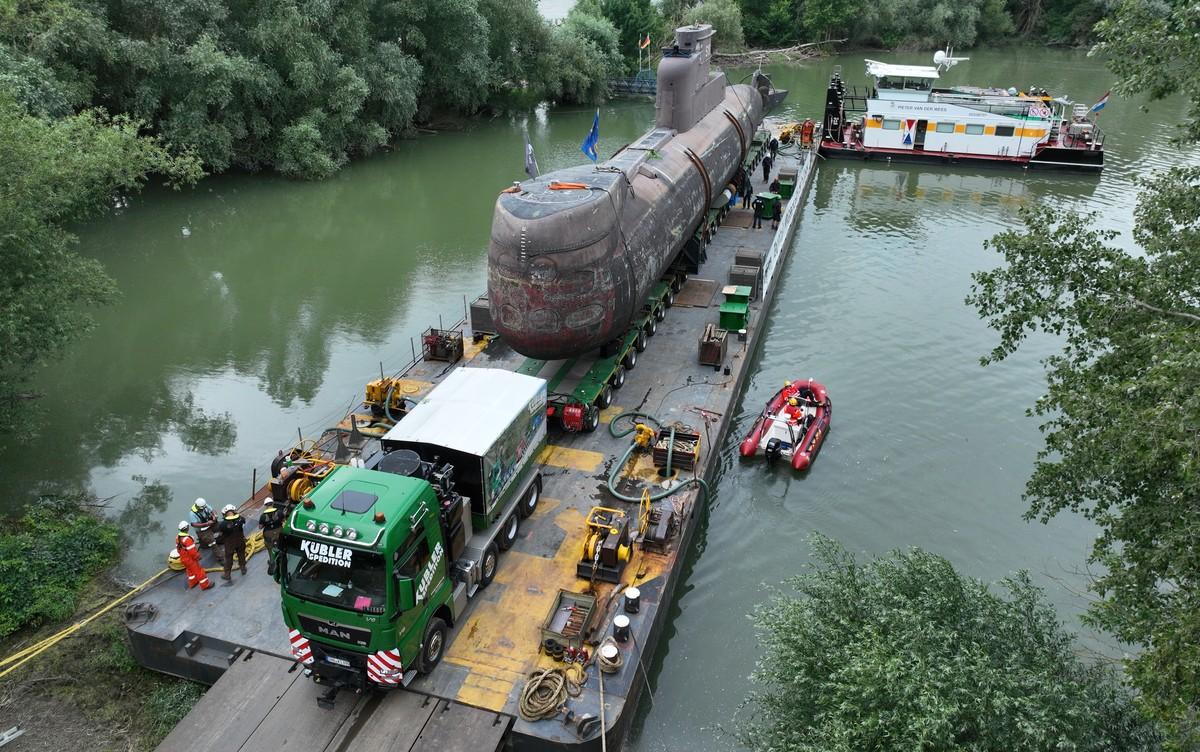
{"points": [[945, 60]]}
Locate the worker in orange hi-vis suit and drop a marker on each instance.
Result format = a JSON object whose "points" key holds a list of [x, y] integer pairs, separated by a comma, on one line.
{"points": [[189, 554]]}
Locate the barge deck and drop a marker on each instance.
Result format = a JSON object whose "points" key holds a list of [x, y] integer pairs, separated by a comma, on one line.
{"points": [[219, 636]]}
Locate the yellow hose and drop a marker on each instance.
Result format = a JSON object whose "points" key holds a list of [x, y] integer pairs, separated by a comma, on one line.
{"points": [[254, 544]]}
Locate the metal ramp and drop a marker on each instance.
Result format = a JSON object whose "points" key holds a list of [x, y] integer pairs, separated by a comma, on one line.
{"points": [[265, 703]]}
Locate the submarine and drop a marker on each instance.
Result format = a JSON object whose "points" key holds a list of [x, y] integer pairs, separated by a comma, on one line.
{"points": [[573, 253]]}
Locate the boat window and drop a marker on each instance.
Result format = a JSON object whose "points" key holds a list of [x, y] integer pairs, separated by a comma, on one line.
{"points": [[1005, 130], [890, 83], [974, 129], [945, 127], [891, 125], [920, 84]]}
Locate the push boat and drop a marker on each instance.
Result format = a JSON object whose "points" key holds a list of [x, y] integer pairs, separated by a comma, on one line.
{"points": [[902, 115], [793, 425]]}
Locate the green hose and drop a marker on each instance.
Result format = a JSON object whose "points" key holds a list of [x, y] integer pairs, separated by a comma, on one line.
{"points": [[610, 481]]}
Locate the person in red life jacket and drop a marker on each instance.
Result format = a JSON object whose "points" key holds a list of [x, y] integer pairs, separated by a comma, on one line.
{"points": [[189, 555], [233, 537]]}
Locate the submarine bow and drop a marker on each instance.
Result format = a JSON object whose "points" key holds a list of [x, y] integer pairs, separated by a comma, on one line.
{"points": [[574, 253]]}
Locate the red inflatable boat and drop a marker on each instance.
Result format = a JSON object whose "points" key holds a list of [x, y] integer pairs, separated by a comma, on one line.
{"points": [[793, 425]]}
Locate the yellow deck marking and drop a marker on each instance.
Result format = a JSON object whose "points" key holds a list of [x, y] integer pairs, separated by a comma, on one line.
{"points": [[610, 412], [414, 388], [572, 459], [498, 645], [471, 348]]}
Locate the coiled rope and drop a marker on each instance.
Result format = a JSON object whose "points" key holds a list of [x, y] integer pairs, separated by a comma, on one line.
{"points": [[547, 690], [606, 665]]}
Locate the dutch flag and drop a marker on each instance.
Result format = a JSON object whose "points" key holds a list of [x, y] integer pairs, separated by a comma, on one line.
{"points": [[1100, 105]]}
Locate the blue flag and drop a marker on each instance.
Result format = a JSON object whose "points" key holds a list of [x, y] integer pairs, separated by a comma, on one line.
{"points": [[588, 147]]}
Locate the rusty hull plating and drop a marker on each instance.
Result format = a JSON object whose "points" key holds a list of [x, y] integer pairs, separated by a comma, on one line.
{"points": [[574, 252]]}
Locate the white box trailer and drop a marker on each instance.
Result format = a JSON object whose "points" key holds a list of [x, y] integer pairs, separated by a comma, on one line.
{"points": [[490, 424]]}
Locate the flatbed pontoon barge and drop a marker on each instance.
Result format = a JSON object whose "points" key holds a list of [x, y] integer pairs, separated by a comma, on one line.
{"points": [[582, 527]]}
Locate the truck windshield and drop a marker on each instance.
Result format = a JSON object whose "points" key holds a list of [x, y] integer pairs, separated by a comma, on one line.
{"points": [[336, 575]]}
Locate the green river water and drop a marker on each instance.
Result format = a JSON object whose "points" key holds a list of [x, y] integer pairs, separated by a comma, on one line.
{"points": [[253, 306]]}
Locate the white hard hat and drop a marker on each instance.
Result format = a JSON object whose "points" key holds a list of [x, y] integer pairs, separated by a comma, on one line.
{"points": [[201, 502], [183, 527], [228, 508]]}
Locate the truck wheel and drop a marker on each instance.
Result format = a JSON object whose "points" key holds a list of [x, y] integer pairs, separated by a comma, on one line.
{"points": [[604, 399], [639, 343], [651, 326], [488, 564], [670, 299], [433, 646], [617, 380], [660, 313], [530, 502], [508, 531], [630, 359], [591, 419]]}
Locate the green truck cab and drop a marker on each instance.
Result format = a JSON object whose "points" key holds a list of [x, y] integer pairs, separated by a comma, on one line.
{"points": [[379, 563]]}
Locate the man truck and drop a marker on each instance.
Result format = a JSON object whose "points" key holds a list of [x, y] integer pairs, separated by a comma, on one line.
{"points": [[379, 563]]}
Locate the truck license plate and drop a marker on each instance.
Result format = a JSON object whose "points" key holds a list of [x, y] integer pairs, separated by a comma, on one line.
{"points": [[338, 661]]}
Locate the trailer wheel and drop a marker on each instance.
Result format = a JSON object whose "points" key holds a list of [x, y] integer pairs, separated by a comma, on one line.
{"points": [[433, 646], [639, 342], [660, 313], [488, 564], [591, 419], [670, 299], [617, 380], [630, 359], [604, 399], [530, 502], [508, 531], [651, 326]]}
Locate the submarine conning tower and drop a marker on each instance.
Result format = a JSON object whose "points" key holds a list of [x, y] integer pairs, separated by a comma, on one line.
{"points": [[687, 88], [573, 253]]}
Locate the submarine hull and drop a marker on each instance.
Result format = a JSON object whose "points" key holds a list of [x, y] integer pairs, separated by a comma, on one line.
{"points": [[574, 253]]}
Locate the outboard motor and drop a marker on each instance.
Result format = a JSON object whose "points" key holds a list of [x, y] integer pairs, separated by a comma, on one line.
{"points": [[773, 451]]}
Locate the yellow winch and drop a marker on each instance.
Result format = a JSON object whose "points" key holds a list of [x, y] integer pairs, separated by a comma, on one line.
{"points": [[607, 546]]}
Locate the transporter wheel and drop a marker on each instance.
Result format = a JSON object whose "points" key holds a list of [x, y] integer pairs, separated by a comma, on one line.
{"points": [[660, 313], [508, 531], [591, 419], [488, 564], [639, 343], [617, 380], [433, 646], [670, 299], [651, 326], [604, 399], [532, 496], [630, 359]]}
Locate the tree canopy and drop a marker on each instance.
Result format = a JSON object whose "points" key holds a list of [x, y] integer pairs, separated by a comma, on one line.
{"points": [[56, 172], [1122, 410], [294, 86], [903, 653], [1121, 416], [1154, 50]]}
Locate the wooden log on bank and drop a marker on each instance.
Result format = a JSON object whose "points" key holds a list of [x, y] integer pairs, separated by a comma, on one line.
{"points": [[794, 53]]}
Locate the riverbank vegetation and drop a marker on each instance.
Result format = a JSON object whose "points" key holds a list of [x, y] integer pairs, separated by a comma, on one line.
{"points": [[904, 653], [52, 572], [1122, 407], [891, 24]]}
